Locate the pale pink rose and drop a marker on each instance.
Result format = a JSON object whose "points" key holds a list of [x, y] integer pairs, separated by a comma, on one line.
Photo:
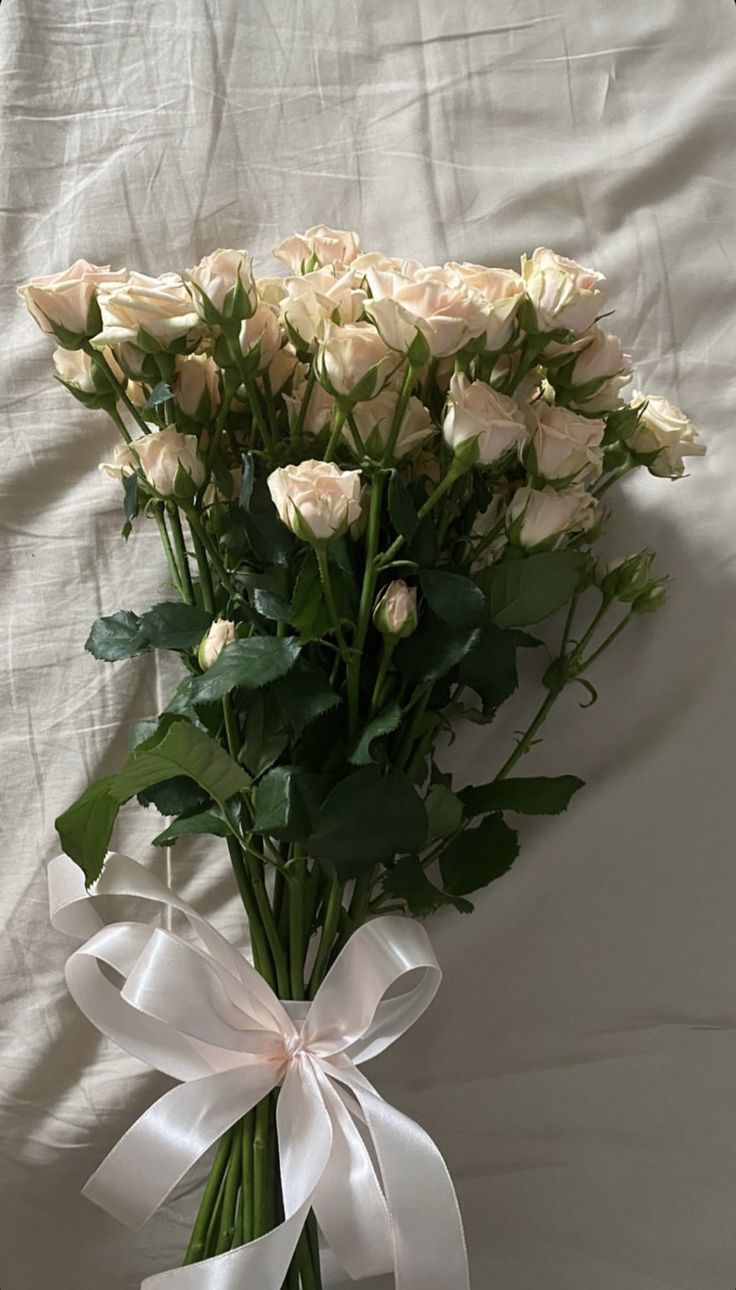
{"points": [[159, 307], [328, 246], [123, 463], [498, 294], [539, 517], [271, 290], [319, 409], [220, 634], [316, 499], [564, 294], [348, 354], [75, 368], [67, 299], [283, 368], [261, 329], [162, 453], [397, 326], [373, 421], [477, 412], [221, 285], [666, 430], [565, 446], [449, 316], [395, 610], [601, 356], [196, 385], [317, 298]]}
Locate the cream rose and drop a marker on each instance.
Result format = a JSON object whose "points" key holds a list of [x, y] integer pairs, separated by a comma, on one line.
{"points": [[373, 421], [222, 286], [395, 610], [478, 413], [497, 293], [76, 368], [283, 368], [401, 330], [540, 517], [564, 294], [316, 499], [123, 462], [319, 409], [163, 454], [220, 634], [448, 315], [565, 446], [313, 300], [664, 429], [66, 302], [261, 330], [142, 310], [601, 358], [326, 246], [196, 385], [353, 358]]}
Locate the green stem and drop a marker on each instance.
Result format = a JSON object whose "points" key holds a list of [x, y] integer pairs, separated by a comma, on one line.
{"points": [[370, 574], [411, 731], [226, 1234], [298, 425], [116, 417], [324, 574], [168, 549], [389, 645], [227, 398], [398, 416], [586, 663], [261, 951], [182, 559], [297, 876], [445, 483], [260, 1158], [527, 738], [331, 919], [205, 577], [196, 1247], [198, 527], [594, 623], [98, 357], [246, 1177], [339, 417], [613, 478], [313, 1239]]}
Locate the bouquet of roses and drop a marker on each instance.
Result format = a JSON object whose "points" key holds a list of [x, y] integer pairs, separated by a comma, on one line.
{"points": [[372, 480]]}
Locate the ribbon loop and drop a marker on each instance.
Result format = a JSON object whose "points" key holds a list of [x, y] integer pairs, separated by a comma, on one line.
{"points": [[198, 1011]]}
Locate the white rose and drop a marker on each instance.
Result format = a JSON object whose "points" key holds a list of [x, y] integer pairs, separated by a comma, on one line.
{"points": [[601, 358], [373, 421], [564, 294], [316, 298], [142, 309], [123, 462], [498, 294], [395, 610], [449, 317], [319, 409], [161, 456], [476, 412], [262, 329], [351, 355], [196, 385], [271, 290], [283, 368], [220, 634], [328, 246], [222, 286], [401, 330], [539, 517], [74, 367], [565, 445], [665, 429], [68, 300], [316, 499]]}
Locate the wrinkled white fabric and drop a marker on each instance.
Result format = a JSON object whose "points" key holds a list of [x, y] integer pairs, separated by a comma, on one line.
{"points": [[587, 1112]]}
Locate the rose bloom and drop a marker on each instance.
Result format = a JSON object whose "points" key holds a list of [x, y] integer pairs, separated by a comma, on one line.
{"points": [[540, 517], [216, 276], [329, 246], [123, 462], [282, 368], [498, 294], [448, 314], [395, 324], [316, 499], [601, 356], [313, 300], [67, 299], [395, 611], [161, 307], [220, 634], [349, 353], [564, 294], [373, 421], [196, 385], [476, 411], [271, 290], [262, 328], [319, 409], [162, 453], [565, 445], [665, 429], [75, 367]]}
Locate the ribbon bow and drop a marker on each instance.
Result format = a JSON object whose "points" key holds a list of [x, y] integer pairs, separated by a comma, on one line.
{"points": [[198, 1011]]}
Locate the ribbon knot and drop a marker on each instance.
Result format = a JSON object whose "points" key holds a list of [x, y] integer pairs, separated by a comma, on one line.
{"points": [[199, 1012]]}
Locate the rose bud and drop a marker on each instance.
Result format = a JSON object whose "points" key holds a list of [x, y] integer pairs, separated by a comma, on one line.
{"points": [[539, 518], [374, 418], [154, 314], [565, 446], [319, 246], [353, 363], [220, 634], [123, 463], [222, 287], [563, 293], [395, 610], [664, 434], [65, 304], [170, 462], [260, 336], [489, 423], [651, 599], [316, 499], [196, 386], [626, 578], [85, 380]]}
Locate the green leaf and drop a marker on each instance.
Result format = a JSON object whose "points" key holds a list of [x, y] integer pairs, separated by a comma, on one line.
{"points": [[183, 750], [309, 613], [265, 736], [304, 694], [271, 541], [130, 496], [478, 856], [269, 604], [246, 488], [444, 811], [250, 663], [407, 881], [402, 510], [190, 824], [160, 393], [118, 636], [533, 795], [171, 625], [138, 731], [287, 802], [85, 827], [177, 796], [489, 667], [382, 724], [366, 818], [525, 591], [453, 598], [432, 650]]}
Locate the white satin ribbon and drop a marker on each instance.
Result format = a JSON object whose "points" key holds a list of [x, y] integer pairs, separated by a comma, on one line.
{"points": [[197, 1010]]}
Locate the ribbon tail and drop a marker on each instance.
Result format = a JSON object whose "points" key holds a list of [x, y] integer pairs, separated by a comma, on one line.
{"points": [[157, 1151], [429, 1243]]}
